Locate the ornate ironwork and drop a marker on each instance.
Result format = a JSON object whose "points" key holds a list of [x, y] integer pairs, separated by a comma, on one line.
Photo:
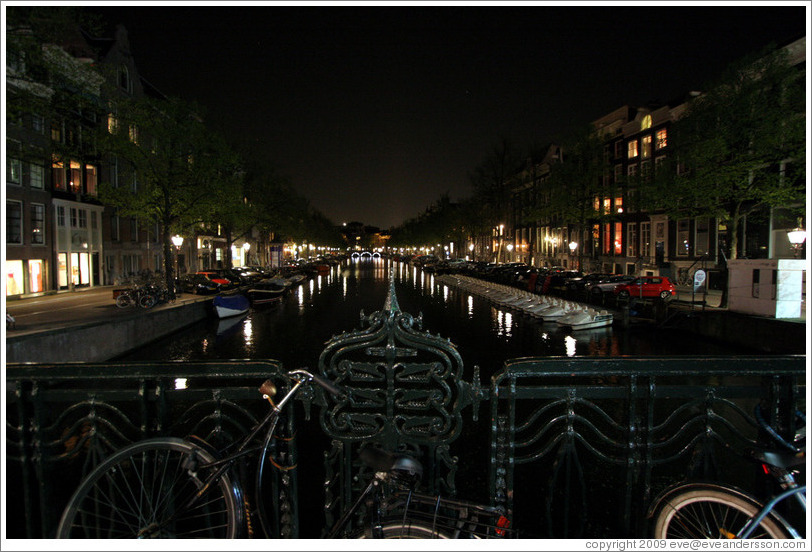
{"points": [[63, 420], [592, 436], [406, 393]]}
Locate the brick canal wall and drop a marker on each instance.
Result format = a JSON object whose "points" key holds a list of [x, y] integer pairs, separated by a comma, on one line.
{"points": [[101, 341]]}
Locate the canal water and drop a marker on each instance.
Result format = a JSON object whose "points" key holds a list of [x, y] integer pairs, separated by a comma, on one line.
{"points": [[485, 334], [295, 332]]}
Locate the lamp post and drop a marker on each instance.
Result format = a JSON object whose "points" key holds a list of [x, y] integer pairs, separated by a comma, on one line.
{"points": [[797, 238], [573, 247], [245, 247], [177, 241], [510, 252]]}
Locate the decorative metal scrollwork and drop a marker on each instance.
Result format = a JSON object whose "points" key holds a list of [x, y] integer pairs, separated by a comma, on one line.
{"points": [[404, 385]]}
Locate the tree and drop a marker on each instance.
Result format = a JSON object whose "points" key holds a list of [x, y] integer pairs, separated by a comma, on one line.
{"points": [[491, 183], [180, 169], [574, 183], [739, 148]]}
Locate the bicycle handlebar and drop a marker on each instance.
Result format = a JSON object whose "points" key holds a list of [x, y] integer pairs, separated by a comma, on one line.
{"points": [[327, 385]]}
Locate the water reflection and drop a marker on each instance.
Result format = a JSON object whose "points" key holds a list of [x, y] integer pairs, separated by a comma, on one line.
{"points": [[569, 344], [309, 315]]}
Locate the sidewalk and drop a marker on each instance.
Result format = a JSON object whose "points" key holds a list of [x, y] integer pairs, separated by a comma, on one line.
{"points": [[73, 308]]}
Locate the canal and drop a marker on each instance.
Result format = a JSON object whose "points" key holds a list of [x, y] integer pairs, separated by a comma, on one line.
{"points": [[296, 331]]}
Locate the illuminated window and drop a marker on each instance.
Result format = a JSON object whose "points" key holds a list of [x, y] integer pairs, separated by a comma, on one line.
{"points": [[618, 243], [662, 139], [112, 124], [134, 134], [632, 149], [646, 147], [58, 176], [646, 123], [90, 180], [607, 238], [607, 205], [618, 204], [75, 177]]}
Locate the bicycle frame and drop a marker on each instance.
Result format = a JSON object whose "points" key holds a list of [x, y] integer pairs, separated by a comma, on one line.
{"points": [[750, 526]]}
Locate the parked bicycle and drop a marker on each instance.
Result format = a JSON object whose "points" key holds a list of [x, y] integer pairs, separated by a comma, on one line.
{"points": [[714, 511], [180, 488]]}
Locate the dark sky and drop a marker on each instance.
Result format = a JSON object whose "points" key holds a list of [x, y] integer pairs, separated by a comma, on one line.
{"points": [[374, 112]]}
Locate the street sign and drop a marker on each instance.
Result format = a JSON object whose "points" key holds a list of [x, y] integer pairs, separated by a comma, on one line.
{"points": [[699, 281]]}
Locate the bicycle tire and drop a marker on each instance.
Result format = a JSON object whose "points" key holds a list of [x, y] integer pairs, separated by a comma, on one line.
{"points": [[407, 530], [124, 300], [136, 492], [147, 301], [711, 512]]}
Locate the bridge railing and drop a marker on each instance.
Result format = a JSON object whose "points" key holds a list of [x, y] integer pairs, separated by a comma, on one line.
{"points": [[63, 419], [578, 446]]}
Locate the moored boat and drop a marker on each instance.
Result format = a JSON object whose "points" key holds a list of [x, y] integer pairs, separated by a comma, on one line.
{"points": [[230, 305], [586, 319], [266, 292]]}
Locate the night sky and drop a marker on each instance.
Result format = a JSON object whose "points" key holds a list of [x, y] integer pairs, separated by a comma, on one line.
{"points": [[373, 112]]}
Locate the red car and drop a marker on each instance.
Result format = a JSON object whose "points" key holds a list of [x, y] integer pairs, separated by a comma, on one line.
{"points": [[217, 278], [646, 286]]}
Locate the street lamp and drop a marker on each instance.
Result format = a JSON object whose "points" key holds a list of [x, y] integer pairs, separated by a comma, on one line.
{"points": [[573, 247], [246, 246], [797, 238], [177, 241]]}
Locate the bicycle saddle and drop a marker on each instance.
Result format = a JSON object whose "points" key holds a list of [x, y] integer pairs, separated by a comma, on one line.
{"points": [[780, 459], [399, 465]]}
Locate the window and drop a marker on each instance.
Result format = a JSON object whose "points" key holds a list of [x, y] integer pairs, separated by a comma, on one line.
{"points": [[37, 223], [645, 239], [112, 123], [58, 176], [618, 243], [618, 204], [133, 229], [124, 78], [60, 215], [631, 239], [75, 177], [618, 174], [632, 170], [74, 217], [632, 149], [36, 176], [645, 150], [90, 180], [38, 124], [662, 139], [134, 183], [607, 239], [645, 170], [82, 218], [683, 237], [134, 134], [56, 131], [618, 149], [14, 222], [114, 227], [94, 223], [14, 167], [702, 239]]}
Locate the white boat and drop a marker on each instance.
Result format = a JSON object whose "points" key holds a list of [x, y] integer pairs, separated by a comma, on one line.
{"points": [[266, 292], [230, 305], [586, 319]]}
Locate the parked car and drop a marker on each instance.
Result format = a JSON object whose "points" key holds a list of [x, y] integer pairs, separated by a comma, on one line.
{"points": [[646, 286], [575, 286], [216, 277], [198, 284], [599, 291]]}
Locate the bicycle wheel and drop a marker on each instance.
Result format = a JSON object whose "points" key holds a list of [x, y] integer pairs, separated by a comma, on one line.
{"points": [[147, 301], [142, 491], [407, 530], [711, 512], [124, 300]]}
